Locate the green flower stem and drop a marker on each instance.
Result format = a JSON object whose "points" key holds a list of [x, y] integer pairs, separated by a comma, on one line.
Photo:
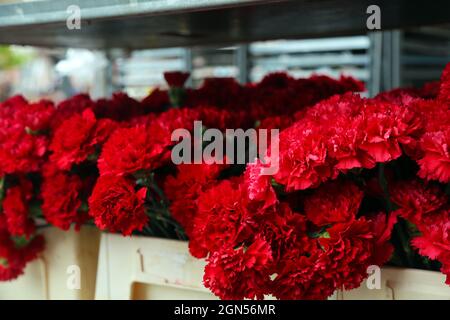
{"points": [[447, 189], [161, 221], [163, 230], [176, 96], [2, 188], [404, 242], [384, 188], [399, 229], [42, 226], [154, 186], [148, 231], [178, 230]]}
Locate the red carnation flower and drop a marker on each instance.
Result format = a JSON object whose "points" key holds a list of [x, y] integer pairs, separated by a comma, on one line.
{"points": [[13, 259], [379, 144], [302, 158], [434, 114], [276, 80], [3, 224], [258, 186], [222, 219], [430, 90], [415, 199], [275, 95], [33, 248], [239, 273], [61, 203], [17, 113], [116, 206], [11, 266], [176, 78], [279, 94], [275, 122], [349, 249], [435, 164], [15, 208], [36, 117], [404, 96], [22, 140], [120, 107], [285, 231], [13, 102], [21, 152], [301, 277], [222, 119], [333, 202], [342, 133], [344, 144], [129, 150], [183, 190], [382, 226], [176, 118], [71, 106], [156, 101], [219, 92], [77, 138], [435, 240]]}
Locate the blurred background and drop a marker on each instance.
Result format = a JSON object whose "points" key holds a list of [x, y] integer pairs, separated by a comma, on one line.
{"points": [[415, 56]]}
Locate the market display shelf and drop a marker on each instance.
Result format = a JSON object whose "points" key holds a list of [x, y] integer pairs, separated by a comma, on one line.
{"points": [[138, 24]]}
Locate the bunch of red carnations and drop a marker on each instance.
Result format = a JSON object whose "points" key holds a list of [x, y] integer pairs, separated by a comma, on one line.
{"points": [[359, 182], [82, 160]]}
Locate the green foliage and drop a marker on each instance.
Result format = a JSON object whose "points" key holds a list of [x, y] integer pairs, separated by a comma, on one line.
{"points": [[162, 224], [10, 58], [3, 262], [2, 190]]}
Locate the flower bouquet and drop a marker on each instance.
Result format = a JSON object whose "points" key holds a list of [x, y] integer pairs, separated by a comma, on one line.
{"points": [[357, 182]]}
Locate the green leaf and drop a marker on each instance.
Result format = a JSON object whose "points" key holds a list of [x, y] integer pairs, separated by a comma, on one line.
{"points": [[35, 209], [20, 242], [32, 132], [325, 235], [322, 233], [4, 262], [412, 228], [176, 96], [84, 207], [93, 156]]}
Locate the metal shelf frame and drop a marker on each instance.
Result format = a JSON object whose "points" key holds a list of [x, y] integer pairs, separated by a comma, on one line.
{"points": [[137, 24]]}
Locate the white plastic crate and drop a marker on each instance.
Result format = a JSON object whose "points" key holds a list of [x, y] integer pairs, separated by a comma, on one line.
{"points": [[47, 277], [148, 268], [158, 269], [402, 284]]}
